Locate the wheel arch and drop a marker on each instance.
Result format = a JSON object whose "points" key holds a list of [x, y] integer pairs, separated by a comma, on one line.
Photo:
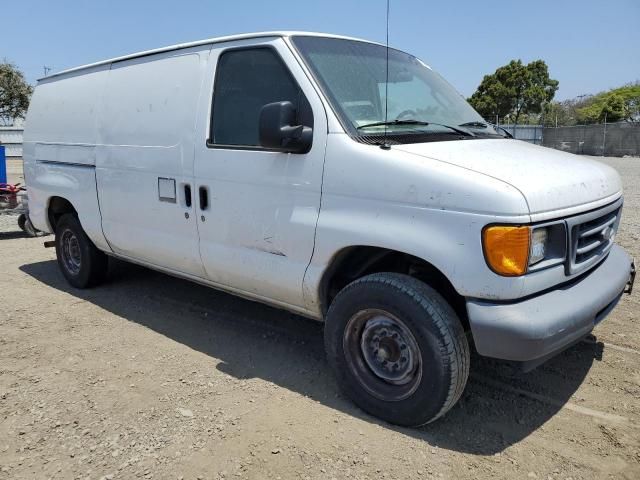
{"points": [[56, 207], [354, 262]]}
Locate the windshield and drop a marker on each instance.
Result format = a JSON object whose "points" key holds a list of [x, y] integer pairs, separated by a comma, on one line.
{"points": [[353, 76]]}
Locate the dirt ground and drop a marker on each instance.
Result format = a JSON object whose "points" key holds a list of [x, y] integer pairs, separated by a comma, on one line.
{"points": [[149, 376]]}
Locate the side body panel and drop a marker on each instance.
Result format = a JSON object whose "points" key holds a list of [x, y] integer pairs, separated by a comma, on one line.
{"points": [[144, 159], [59, 148]]}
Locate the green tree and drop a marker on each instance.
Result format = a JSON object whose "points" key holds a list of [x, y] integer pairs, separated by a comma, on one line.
{"points": [[622, 103], [15, 93], [614, 109], [558, 113], [515, 89]]}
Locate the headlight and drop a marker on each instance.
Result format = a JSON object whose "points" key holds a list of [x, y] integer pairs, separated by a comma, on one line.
{"points": [[538, 245], [513, 250]]}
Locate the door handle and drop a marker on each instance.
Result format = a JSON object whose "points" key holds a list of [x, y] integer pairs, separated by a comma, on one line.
{"points": [[204, 197], [187, 195]]}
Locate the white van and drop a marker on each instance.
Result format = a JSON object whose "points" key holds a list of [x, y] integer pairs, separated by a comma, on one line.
{"points": [[271, 166]]}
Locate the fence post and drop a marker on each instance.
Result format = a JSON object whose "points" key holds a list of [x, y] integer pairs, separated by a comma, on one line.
{"points": [[604, 134]]}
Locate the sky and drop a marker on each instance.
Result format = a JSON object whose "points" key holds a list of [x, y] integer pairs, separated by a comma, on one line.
{"points": [[588, 45]]}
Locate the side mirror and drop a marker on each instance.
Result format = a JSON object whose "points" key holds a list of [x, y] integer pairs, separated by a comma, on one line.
{"points": [[278, 132]]}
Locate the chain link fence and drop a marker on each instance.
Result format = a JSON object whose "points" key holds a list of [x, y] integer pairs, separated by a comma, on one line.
{"points": [[526, 133], [613, 139]]}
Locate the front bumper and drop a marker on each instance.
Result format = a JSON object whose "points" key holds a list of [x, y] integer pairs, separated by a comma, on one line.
{"points": [[537, 328]]}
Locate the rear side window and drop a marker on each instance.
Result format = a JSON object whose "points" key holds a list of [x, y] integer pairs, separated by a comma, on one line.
{"points": [[246, 80]]}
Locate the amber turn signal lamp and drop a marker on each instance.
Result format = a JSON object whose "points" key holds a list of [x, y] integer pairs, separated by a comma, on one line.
{"points": [[506, 249]]}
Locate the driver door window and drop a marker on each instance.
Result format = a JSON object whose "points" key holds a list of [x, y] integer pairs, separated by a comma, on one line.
{"points": [[246, 80]]}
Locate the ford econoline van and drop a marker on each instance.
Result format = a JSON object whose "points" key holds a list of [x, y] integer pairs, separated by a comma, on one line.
{"points": [[339, 180]]}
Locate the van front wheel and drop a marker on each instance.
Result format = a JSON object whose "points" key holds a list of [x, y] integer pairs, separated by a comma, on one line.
{"points": [[80, 261], [397, 348]]}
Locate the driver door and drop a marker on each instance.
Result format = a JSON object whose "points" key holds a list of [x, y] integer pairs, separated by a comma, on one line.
{"points": [[257, 208]]}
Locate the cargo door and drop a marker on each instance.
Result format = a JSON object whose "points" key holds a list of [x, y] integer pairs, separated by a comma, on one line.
{"points": [[144, 162]]}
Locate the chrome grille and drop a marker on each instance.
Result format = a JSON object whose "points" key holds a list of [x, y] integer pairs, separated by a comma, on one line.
{"points": [[592, 236]]}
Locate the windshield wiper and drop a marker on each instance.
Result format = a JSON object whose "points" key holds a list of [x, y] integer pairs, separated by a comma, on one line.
{"points": [[473, 124], [394, 122], [411, 121], [500, 131]]}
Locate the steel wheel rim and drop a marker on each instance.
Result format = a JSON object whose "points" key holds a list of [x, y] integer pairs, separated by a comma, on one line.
{"points": [[71, 256], [383, 354]]}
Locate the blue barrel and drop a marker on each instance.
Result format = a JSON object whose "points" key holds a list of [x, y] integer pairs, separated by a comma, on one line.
{"points": [[3, 166]]}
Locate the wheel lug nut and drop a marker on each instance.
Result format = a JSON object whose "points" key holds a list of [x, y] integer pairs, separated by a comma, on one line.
{"points": [[403, 359], [403, 347], [395, 335]]}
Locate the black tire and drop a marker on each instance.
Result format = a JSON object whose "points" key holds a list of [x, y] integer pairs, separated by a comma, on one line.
{"points": [[30, 230], [81, 263], [371, 331], [22, 220]]}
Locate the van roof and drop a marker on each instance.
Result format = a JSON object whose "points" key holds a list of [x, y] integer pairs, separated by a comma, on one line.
{"points": [[228, 38]]}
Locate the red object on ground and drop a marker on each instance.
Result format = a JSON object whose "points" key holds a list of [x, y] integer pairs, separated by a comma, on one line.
{"points": [[7, 188]]}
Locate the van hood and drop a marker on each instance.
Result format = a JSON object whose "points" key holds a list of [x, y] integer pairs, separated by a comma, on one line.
{"points": [[550, 180]]}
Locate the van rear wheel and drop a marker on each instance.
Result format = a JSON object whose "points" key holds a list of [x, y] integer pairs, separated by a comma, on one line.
{"points": [[397, 348], [80, 261]]}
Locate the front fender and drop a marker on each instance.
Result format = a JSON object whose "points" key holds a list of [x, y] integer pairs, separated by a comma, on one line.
{"points": [[423, 207], [450, 241]]}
